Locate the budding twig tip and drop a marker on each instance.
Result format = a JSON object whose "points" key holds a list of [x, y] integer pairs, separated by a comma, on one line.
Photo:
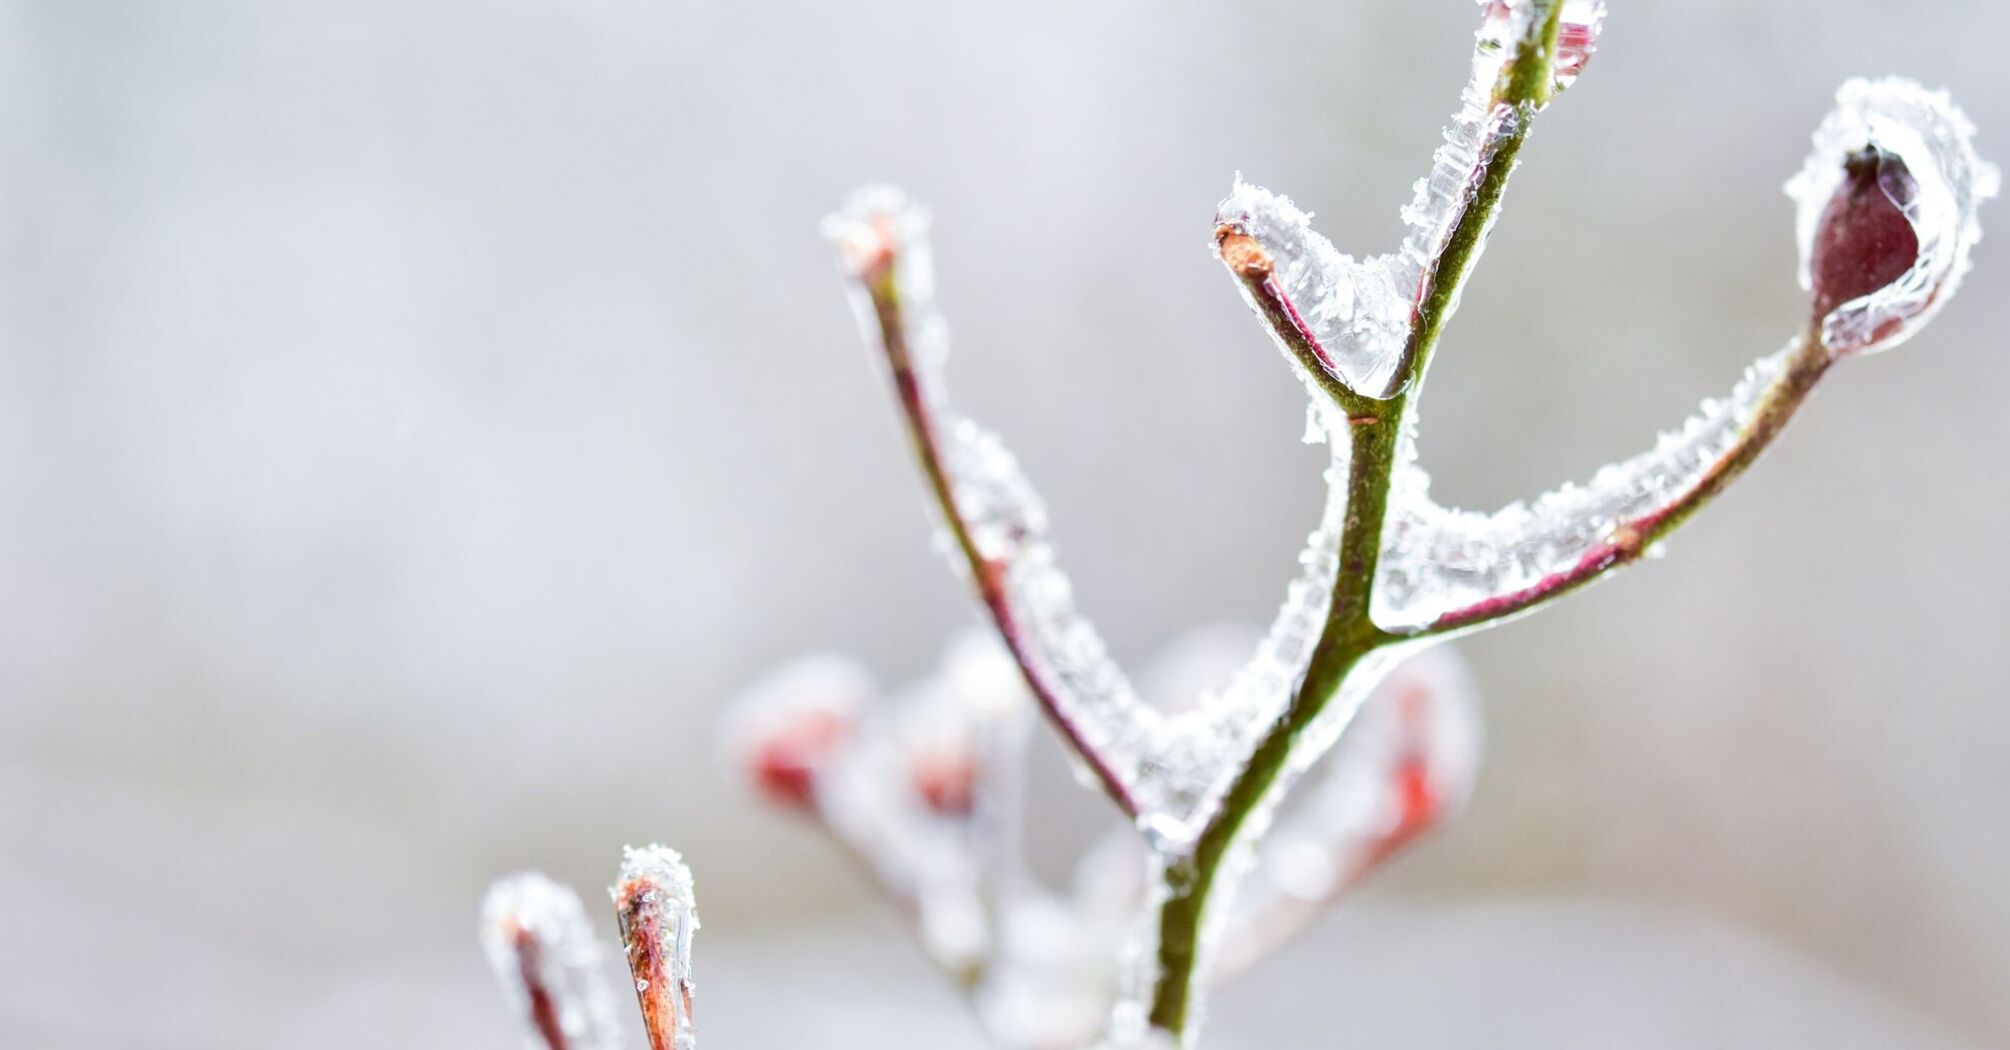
{"points": [[1242, 254]]}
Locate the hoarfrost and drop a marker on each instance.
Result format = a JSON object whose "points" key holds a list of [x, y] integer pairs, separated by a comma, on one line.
{"points": [[1948, 184]]}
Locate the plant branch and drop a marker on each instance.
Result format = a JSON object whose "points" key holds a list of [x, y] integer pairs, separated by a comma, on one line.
{"points": [[1807, 363], [1374, 430], [1526, 85], [879, 280]]}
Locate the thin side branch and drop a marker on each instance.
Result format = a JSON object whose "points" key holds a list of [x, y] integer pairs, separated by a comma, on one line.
{"points": [[878, 276], [1630, 540]]}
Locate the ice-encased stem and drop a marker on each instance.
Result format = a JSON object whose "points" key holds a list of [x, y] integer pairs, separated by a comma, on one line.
{"points": [[1350, 636], [878, 278], [1800, 369]]}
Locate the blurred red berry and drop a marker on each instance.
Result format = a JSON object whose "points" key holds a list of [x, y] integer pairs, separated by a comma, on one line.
{"points": [[787, 758]]}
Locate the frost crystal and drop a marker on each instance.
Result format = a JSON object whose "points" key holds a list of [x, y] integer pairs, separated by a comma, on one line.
{"points": [[545, 957], [1948, 183]]}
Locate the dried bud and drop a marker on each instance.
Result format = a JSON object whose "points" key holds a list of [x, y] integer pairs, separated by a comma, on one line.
{"points": [[657, 910], [788, 728], [548, 963], [1887, 207]]}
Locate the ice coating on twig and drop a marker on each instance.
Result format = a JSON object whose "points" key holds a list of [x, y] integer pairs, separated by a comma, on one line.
{"points": [[1353, 312], [656, 906], [1405, 764], [1438, 562], [1941, 198], [1483, 122], [544, 955], [1359, 315], [881, 235]]}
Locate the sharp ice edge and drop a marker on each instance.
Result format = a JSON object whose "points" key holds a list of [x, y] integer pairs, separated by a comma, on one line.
{"points": [[1937, 143], [1437, 560], [568, 960]]}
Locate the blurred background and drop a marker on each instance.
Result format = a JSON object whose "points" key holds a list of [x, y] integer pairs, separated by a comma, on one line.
{"points": [[418, 420]]}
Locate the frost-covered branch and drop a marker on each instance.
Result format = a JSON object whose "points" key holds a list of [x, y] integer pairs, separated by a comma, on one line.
{"points": [[995, 520], [548, 963], [1887, 217]]}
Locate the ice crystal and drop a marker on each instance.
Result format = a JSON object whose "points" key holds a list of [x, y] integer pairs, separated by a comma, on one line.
{"points": [[1943, 185], [545, 957]]}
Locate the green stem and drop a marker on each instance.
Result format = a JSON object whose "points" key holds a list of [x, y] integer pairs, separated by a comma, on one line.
{"points": [[1349, 634]]}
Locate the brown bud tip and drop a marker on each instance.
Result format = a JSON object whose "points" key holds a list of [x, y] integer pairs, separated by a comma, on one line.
{"points": [[1242, 254], [1864, 240]]}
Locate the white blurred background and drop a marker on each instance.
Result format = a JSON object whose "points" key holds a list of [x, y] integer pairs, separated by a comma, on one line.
{"points": [[417, 420]]}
